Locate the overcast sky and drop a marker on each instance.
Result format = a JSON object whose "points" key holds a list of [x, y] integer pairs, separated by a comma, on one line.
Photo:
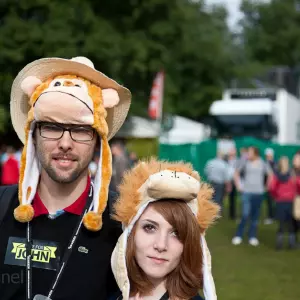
{"points": [[233, 9]]}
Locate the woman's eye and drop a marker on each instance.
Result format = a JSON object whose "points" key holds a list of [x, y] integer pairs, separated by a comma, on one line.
{"points": [[77, 85], [149, 228], [57, 83], [174, 233]]}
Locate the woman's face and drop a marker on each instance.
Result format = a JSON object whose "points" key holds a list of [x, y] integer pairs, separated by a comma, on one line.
{"points": [[157, 248]]}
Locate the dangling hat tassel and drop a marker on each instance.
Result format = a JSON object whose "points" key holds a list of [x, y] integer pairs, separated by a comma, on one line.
{"points": [[93, 219], [29, 176]]}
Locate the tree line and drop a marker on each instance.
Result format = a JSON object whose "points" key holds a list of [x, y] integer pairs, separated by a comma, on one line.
{"points": [[131, 40]]}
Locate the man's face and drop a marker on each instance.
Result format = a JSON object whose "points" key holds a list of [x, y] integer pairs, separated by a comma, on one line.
{"points": [[64, 159]]}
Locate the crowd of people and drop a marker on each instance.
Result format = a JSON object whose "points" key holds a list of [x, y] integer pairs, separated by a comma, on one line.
{"points": [[258, 179]]}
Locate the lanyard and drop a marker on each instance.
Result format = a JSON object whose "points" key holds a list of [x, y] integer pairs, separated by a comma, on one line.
{"points": [[65, 258]]}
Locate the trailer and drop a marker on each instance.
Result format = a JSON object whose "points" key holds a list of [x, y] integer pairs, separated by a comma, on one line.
{"points": [[270, 114]]}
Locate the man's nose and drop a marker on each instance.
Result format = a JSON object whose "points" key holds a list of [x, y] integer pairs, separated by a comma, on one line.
{"points": [[65, 143]]}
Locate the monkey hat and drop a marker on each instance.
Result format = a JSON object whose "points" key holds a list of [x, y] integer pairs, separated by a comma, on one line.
{"points": [[151, 181], [69, 92]]}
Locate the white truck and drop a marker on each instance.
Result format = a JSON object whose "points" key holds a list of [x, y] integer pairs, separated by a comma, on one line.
{"points": [[271, 114]]}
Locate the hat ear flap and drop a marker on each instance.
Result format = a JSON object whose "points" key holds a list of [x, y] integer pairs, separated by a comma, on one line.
{"points": [[29, 177], [29, 84], [93, 219]]}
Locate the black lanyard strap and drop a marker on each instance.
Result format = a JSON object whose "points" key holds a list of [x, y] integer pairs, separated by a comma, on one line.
{"points": [[65, 258]]}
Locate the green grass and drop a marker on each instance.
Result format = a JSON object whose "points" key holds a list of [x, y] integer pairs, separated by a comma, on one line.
{"points": [[258, 273]]}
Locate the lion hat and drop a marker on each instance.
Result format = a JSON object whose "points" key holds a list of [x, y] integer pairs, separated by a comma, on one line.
{"points": [[66, 91], [151, 181]]}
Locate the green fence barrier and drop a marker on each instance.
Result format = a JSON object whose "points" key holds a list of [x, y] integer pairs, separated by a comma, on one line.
{"points": [[199, 154]]}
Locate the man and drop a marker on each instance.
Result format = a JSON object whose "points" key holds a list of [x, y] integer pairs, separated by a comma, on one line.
{"points": [[121, 162], [57, 237], [217, 172], [254, 170], [233, 163]]}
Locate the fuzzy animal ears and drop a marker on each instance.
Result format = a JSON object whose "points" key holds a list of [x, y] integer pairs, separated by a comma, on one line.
{"points": [[29, 84], [110, 98]]}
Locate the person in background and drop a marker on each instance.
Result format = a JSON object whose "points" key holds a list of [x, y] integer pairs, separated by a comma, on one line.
{"points": [[283, 188], [252, 192], [120, 163], [217, 172], [296, 169], [10, 168], [269, 157], [243, 153], [233, 163], [133, 158]]}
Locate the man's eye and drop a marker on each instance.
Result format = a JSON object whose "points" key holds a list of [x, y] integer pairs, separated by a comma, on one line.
{"points": [[77, 85], [51, 128]]}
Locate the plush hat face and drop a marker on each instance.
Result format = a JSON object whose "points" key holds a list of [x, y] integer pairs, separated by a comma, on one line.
{"points": [[152, 181], [66, 99]]}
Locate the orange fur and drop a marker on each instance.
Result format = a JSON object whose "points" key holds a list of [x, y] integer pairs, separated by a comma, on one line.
{"points": [[24, 213], [23, 156], [127, 205], [106, 175], [92, 221]]}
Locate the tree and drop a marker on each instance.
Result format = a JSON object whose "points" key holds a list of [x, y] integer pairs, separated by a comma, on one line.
{"points": [[271, 32], [129, 40]]}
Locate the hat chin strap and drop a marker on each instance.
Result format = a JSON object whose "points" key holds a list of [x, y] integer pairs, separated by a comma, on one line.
{"points": [[29, 178], [209, 289]]}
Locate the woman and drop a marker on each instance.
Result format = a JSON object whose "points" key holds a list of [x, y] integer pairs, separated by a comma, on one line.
{"points": [[283, 187], [162, 253], [296, 220], [254, 171]]}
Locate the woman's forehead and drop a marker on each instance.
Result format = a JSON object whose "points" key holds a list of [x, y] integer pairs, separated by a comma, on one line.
{"points": [[151, 214]]}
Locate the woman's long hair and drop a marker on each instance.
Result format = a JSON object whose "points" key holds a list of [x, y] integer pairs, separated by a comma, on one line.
{"points": [[186, 279]]}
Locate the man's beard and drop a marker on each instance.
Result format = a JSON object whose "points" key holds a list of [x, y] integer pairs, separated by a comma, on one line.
{"points": [[63, 179], [67, 178]]}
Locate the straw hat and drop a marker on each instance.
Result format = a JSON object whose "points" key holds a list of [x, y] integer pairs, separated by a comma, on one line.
{"points": [[81, 66]]}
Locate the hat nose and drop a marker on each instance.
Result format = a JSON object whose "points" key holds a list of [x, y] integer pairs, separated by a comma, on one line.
{"points": [[68, 83]]}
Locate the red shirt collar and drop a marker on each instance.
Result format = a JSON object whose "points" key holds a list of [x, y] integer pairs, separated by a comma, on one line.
{"points": [[75, 208]]}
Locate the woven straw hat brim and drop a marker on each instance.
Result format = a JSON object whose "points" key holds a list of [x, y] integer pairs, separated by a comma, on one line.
{"points": [[49, 67]]}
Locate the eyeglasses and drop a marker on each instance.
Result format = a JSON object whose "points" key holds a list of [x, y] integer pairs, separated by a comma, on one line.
{"points": [[55, 132]]}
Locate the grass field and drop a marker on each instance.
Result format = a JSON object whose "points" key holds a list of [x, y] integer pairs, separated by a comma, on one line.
{"points": [[257, 273]]}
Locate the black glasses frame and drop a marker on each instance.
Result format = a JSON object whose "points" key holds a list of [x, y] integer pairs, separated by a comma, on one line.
{"points": [[64, 128]]}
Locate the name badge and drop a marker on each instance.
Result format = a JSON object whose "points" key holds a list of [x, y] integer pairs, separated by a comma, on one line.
{"points": [[44, 254]]}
